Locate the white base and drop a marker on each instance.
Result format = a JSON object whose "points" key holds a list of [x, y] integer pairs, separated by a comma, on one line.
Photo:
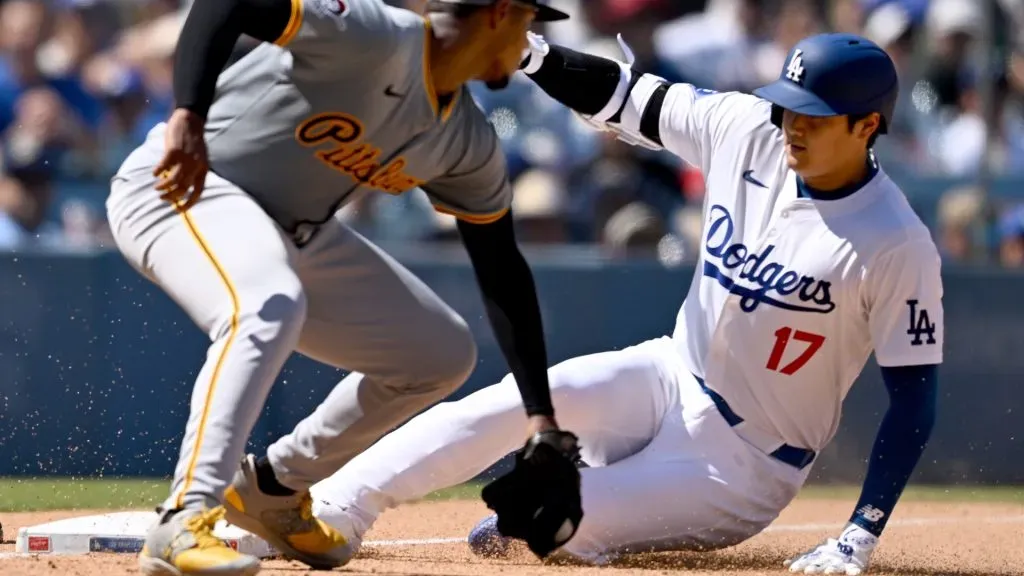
{"points": [[119, 532]]}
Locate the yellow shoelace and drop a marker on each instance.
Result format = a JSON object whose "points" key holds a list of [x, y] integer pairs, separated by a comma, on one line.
{"points": [[201, 526]]}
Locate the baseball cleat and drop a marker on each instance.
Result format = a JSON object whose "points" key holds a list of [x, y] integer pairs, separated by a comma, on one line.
{"points": [[183, 544], [486, 541], [285, 522]]}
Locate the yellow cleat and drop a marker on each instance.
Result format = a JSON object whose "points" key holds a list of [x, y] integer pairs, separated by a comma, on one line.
{"points": [[183, 544], [285, 522]]}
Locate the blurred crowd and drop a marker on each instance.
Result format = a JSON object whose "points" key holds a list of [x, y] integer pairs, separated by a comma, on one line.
{"points": [[82, 81]]}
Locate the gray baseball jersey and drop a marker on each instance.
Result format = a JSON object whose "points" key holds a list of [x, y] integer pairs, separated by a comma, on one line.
{"points": [[341, 105], [303, 129]]}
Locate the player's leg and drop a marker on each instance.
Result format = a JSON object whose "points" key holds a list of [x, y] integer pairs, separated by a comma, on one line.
{"points": [[696, 486], [228, 266], [614, 401], [407, 349]]}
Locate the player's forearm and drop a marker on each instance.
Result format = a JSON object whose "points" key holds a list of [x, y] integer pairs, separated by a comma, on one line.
{"points": [[208, 37], [901, 440], [598, 87], [510, 298], [583, 82]]}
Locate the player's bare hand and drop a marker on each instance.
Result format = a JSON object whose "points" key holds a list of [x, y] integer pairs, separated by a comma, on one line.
{"points": [[182, 171], [849, 554]]}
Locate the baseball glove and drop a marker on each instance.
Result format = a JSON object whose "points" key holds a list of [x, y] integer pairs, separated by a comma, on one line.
{"points": [[539, 500]]}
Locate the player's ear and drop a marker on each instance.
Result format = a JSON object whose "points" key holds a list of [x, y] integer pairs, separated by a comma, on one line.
{"points": [[499, 12], [869, 125]]}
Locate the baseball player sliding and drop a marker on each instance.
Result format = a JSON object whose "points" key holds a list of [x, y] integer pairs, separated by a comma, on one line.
{"points": [[231, 208], [812, 259]]}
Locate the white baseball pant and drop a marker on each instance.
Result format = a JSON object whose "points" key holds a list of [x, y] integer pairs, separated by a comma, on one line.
{"points": [[666, 472]]}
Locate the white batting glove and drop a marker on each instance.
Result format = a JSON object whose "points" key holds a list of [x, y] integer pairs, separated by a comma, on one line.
{"points": [[849, 554], [533, 56]]}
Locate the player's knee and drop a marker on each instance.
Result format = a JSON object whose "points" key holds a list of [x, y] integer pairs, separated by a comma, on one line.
{"points": [[273, 315], [452, 356]]}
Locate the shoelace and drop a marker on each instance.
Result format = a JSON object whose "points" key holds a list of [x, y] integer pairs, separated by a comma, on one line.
{"points": [[306, 513], [201, 525], [306, 507]]}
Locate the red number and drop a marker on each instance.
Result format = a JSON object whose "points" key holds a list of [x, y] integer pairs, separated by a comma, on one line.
{"points": [[782, 335]]}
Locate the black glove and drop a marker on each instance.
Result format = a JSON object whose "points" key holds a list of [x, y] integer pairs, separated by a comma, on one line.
{"points": [[539, 500]]}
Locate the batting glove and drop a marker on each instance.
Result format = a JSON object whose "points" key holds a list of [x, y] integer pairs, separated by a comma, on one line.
{"points": [[848, 555], [533, 57]]}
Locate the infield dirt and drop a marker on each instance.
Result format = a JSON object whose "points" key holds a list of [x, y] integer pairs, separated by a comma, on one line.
{"points": [[923, 539]]}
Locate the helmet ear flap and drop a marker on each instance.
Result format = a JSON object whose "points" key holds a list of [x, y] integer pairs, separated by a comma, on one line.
{"points": [[777, 115]]}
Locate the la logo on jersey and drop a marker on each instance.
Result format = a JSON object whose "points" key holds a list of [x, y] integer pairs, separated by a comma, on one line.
{"points": [[920, 325], [773, 280], [795, 70]]}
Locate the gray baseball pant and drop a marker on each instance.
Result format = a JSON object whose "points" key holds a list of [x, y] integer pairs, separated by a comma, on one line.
{"points": [[338, 299]]}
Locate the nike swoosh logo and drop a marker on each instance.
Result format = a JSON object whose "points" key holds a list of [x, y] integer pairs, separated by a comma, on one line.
{"points": [[749, 177], [390, 91]]}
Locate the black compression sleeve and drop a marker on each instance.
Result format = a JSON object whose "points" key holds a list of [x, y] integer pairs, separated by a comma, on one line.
{"points": [[586, 83], [510, 298], [580, 81], [208, 37]]}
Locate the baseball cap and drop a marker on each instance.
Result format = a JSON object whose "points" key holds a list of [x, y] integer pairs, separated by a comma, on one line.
{"points": [[545, 13]]}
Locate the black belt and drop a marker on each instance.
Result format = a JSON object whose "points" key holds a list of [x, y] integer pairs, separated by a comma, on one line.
{"points": [[799, 458]]}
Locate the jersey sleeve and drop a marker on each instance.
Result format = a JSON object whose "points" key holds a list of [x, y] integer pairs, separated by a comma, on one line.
{"points": [[905, 314], [694, 122], [476, 188], [333, 34]]}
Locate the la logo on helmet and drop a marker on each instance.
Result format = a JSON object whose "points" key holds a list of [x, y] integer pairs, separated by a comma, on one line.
{"points": [[795, 70]]}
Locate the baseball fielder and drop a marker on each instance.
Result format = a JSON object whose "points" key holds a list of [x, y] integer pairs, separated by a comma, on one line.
{"points": [[231, 208], [812, 259]]}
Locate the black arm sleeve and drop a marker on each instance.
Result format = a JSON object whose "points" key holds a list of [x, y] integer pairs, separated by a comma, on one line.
{"points": [[510, 298], [208, 37], [586, 83]]}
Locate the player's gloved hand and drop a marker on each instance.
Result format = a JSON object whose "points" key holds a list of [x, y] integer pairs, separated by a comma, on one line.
{"points": [[182, 171], [536, 49], [539, 500], [849, 554]]}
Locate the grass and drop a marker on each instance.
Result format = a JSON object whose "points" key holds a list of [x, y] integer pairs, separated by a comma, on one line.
{"points": [[38, 494]]}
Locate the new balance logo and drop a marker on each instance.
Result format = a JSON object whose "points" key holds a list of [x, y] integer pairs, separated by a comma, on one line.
{"points": [[871, 514], [795, 70], [920, 325]]}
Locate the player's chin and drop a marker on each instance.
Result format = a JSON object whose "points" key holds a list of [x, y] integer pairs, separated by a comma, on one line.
{"points": [[796, 159], [499, 83]]}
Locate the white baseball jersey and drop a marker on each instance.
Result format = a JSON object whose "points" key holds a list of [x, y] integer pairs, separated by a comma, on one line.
{"points": [[792, 294]]}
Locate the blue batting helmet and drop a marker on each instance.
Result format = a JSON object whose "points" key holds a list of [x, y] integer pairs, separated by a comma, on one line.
{"points": [[835, 75]]}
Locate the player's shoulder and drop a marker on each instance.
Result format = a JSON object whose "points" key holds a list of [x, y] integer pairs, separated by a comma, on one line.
{"points": [[469, 114], [727, 114], [731, 102], [371, 21], [468, 137], [894, 225]]}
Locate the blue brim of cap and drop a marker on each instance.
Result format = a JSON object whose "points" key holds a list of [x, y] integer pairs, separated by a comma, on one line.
{"points": [[790, 96]]}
